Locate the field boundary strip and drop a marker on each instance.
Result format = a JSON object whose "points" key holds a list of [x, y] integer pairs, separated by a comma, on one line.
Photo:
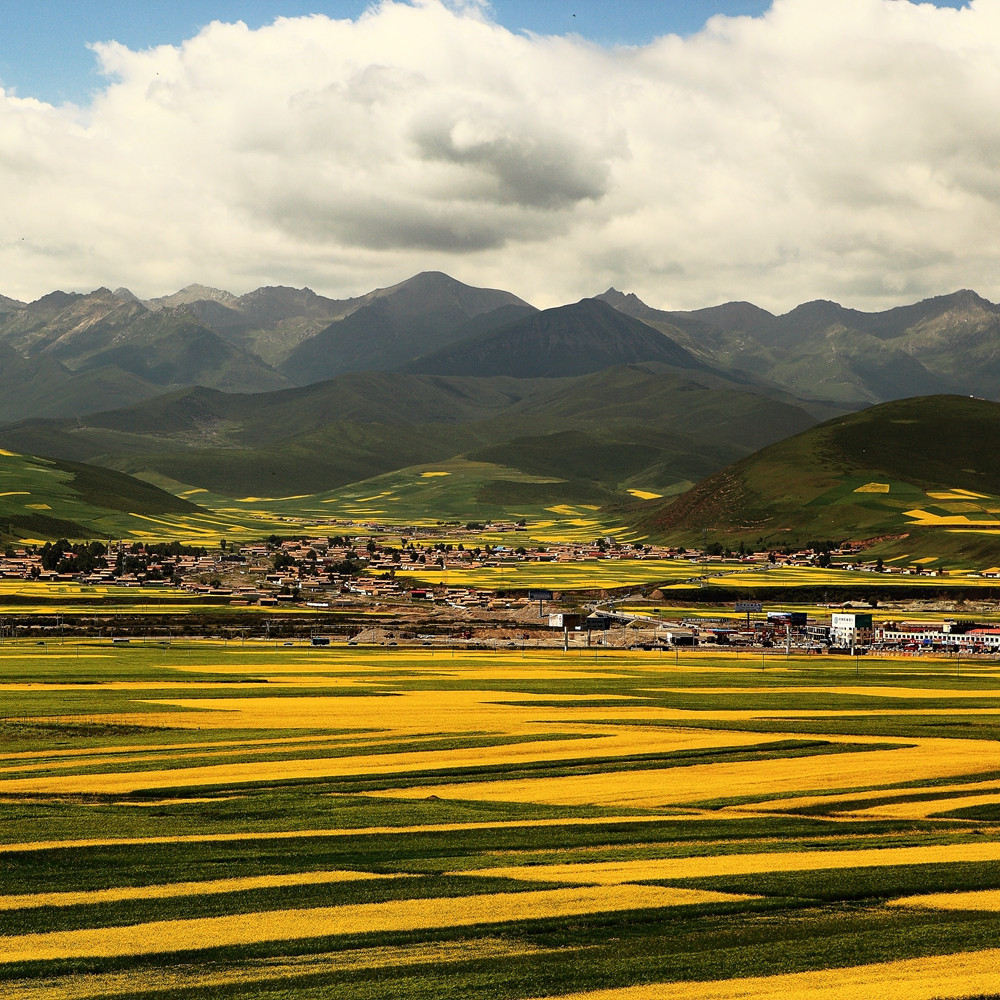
{"points": [[369, 831]]}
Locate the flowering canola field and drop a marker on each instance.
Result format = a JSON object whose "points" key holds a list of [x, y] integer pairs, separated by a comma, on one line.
{"points": [[256, 821]]}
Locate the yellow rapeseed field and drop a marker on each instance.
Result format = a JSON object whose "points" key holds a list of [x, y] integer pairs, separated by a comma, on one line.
{"points": [[166, 747], [955, 494], [983, 899], [923, 809], [853, 803], [643, 789], [941, 977], [648, 869], [163, 936], [570, 719], [622, 741], [845, 691]]}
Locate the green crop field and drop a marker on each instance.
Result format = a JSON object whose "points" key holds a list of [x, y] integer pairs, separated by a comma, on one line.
{"points": [[590, 574], [42, 499], [27, 598], [204, 821], [675, 576], [808, 576], [457, 491]]}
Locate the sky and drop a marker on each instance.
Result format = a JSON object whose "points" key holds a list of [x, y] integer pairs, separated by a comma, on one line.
{"points": [[692, 153]]}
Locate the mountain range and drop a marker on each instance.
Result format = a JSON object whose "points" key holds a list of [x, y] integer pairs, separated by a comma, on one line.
{"points": [[70, 353], [282, 390], [950, 343]]}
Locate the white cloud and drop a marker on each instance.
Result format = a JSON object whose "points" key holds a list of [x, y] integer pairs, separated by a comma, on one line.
{"points": [[847, 150]]}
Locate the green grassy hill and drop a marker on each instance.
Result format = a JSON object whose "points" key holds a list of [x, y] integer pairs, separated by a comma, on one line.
{"points": [[43, 498], [922, 470], [640, 425]]}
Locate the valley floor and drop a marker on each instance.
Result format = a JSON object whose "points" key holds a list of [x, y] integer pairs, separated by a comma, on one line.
{"points": [[254, 820]]}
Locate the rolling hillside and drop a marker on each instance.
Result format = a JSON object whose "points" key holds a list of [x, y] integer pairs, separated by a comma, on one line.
{"points": [[44, 387], [923, 468], [639, 424], [283, 391], [47, 498]]}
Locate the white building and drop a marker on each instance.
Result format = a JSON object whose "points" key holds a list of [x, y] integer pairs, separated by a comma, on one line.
{"points": [[850, 630]]}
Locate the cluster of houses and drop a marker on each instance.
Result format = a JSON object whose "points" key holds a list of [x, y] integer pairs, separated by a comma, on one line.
{"points": [[312, 563], [26, 563], [326, 572], [959, 636], [858, 630], [853, 631]]}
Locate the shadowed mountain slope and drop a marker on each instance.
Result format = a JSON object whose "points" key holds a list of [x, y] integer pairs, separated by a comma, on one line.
{"points": [[394, 326], [588, 336], [107, 332], [822, 350]]}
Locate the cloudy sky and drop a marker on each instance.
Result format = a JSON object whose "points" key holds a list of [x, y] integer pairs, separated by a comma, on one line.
{"points": [[690, 152]]}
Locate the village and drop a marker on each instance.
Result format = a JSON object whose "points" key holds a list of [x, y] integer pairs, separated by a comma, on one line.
{"points": [[379, 587], [371, 561]]}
